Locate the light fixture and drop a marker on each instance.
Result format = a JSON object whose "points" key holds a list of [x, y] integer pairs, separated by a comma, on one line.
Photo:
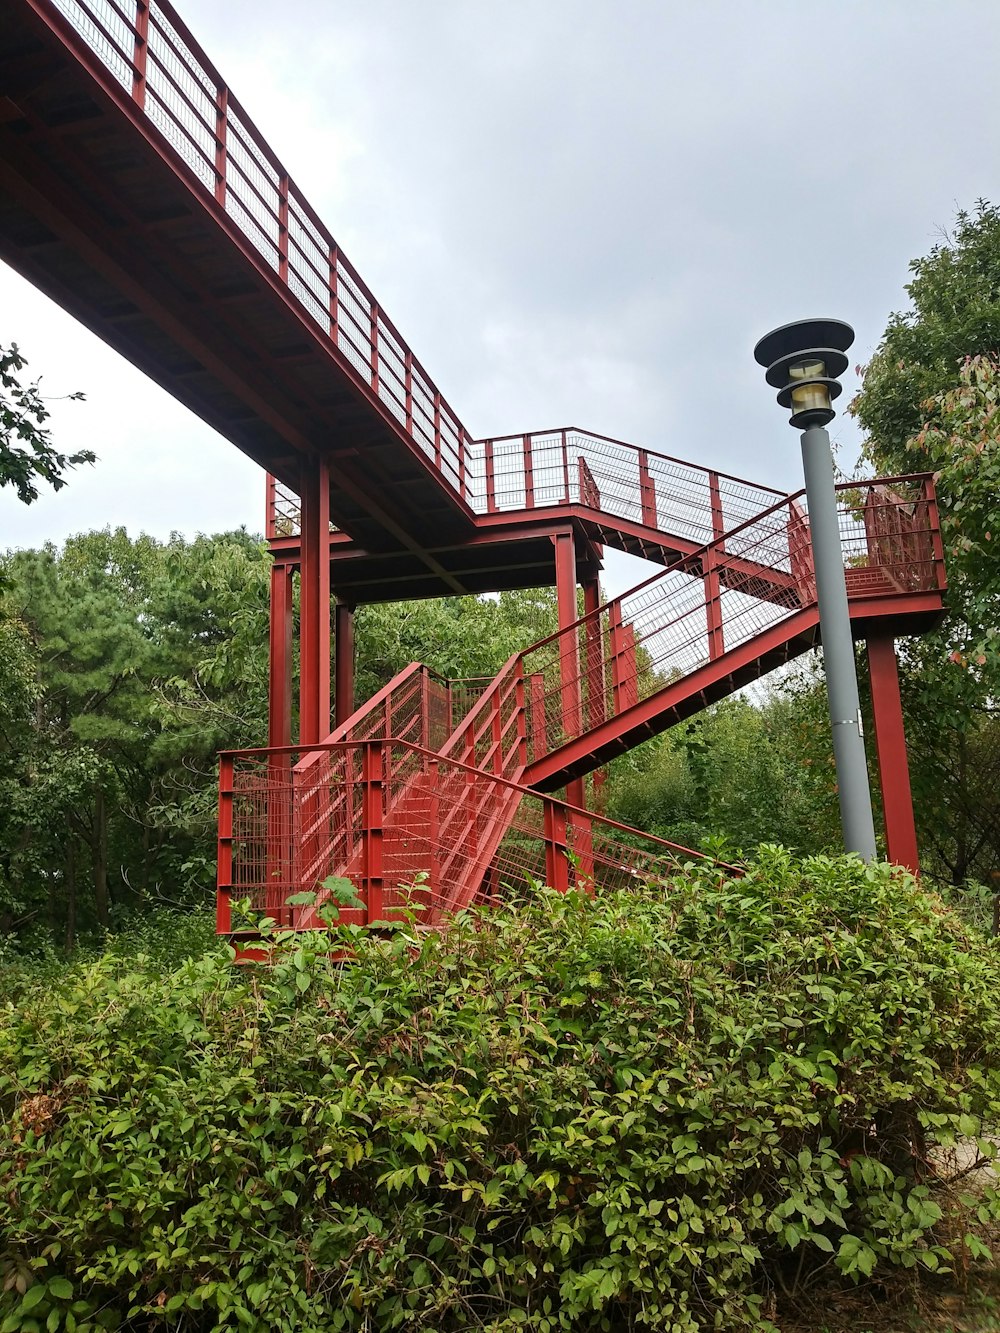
{"points": [[803, 362]]}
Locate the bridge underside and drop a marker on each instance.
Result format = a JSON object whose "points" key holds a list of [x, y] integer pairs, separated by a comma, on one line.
{"points": [[97, 213]]}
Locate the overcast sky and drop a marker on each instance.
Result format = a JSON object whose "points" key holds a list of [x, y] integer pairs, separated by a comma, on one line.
{"points": [[577, 213]]}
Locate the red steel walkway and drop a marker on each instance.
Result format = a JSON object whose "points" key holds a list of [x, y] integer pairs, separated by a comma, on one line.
{"points": [[136, 191]]}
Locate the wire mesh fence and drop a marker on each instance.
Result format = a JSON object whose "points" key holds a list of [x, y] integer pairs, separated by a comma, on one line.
{"points": [[411, 832]]}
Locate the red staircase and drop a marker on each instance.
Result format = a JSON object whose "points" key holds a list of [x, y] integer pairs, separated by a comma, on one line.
{"points": [[136, 191], [430, 795]]}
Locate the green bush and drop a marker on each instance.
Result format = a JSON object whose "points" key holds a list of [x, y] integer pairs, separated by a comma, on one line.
{"points": [[636, 1112]]}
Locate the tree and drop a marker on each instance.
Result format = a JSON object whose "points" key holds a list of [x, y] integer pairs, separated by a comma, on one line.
{"points": [[930, 401], [27, 454], [737, 775]]}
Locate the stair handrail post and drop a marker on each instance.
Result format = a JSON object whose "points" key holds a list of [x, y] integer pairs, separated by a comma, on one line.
{"points": [[373, 769], [140, 53], [803, 361], [224, 859], [556, 846], [647, 491]]}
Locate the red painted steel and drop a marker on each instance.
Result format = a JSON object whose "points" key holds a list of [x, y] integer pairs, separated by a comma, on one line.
{"points": [[279, 727], [890, 741], [314, 605], [738, 593], [468, 835], [529, 725], [673, 626], [343, 637]]}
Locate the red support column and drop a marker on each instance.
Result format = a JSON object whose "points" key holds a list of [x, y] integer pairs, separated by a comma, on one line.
{"points": [[569, 650], [890, 742], [343, 693], [279, 719], [279, 732], [314, 605], [556, 863]]}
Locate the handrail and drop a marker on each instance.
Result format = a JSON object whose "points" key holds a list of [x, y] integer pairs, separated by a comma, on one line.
{"points": [[389, 814], [709, 601], [158, 68]]}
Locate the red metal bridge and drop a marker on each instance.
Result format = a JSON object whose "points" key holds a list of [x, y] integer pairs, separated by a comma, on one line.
{"points": [[136, 191]]}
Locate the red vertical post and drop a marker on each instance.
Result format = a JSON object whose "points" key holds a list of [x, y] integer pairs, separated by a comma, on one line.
{"points": [[539, 732], [647, 491], [314, 604], [491, 479], [630, 667], [713, 604], [437, 430], [279, 722], [710, 563], [565, 466], [374, 347], [140, 51], [343, 639], [434, 886], [224, 861], [334, 296], [520, 704], [283, 227], [569, 648], [529, 472], [619, 664], [221, 128], [408, 382], [593, 637], [278, 860], [270, 508], [496, 744], [890, 743], [372, 882], [597, 684], [556, 863]]}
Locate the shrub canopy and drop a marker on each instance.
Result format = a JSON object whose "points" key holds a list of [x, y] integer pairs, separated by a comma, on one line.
{"points": [[636, 1112]]}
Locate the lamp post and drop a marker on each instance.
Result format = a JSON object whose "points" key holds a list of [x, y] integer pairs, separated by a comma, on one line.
{"points": [[803, 361]]}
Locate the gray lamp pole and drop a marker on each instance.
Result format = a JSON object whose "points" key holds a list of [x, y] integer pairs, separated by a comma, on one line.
{"points": [[803, 361]]}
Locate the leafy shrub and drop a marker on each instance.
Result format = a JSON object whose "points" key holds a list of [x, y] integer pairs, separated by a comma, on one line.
{"points": [[640, 1111]]}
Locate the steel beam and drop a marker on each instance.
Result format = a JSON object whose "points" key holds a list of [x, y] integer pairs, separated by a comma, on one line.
{"points": [[343, 639], [314, 604], [890, 744]]}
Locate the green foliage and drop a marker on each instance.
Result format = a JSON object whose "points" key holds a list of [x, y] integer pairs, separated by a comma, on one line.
{"points": [[736, 775], [929, 402], [954, 314], [125, 665], [640, 1111], [459, 637], [27, 454]]}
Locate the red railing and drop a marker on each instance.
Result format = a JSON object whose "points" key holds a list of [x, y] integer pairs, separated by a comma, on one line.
{"points": [[701, 608], [621, 480], [615, 480], [468, 836], [148, 50]]}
